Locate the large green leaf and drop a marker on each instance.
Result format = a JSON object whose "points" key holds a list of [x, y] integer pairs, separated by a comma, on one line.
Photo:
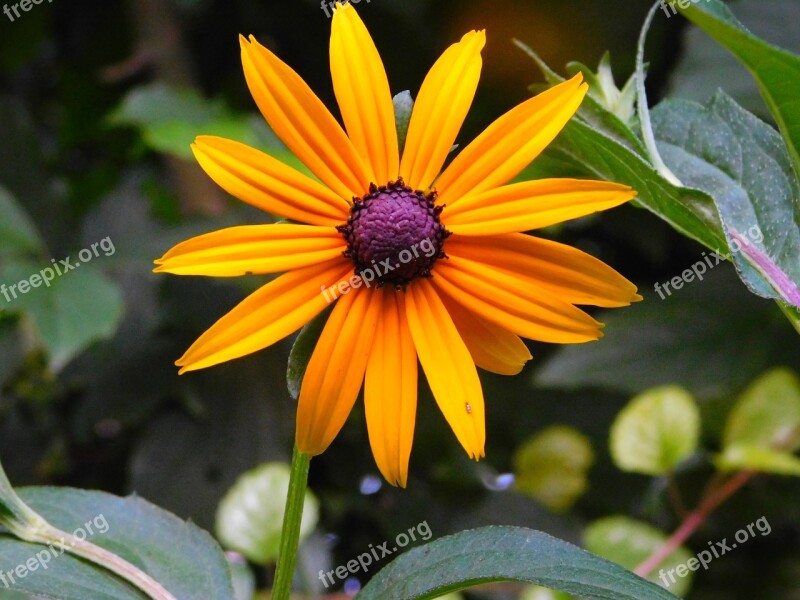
{"points": [[691, 212], [597, 144], [177, 554], [776, 71], [491, 554], [68, 312], [704, 66], [742, 163]]}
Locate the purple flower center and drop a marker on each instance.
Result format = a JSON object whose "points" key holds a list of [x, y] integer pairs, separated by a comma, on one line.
{"points": [[394, 233]]}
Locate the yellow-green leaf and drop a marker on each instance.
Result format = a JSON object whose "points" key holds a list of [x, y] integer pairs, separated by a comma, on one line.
{"points": [[767, 414], [552, 466], [656, 431], [744, 457], [628, 542]]}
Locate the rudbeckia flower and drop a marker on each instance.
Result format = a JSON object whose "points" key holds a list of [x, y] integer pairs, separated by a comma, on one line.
{"points": [[423, 264]]}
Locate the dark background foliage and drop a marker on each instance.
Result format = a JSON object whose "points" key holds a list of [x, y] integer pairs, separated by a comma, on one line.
{"points": [[117, 417]]}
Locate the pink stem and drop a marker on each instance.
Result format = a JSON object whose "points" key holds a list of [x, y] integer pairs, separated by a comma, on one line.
{"points": [[693, 521]]}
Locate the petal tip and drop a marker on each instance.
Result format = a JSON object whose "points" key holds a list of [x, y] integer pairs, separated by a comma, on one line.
{"points": [[476, 35]]}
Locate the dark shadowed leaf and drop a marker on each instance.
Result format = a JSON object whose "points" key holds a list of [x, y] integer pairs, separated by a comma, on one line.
{"points": [[491, 554]]}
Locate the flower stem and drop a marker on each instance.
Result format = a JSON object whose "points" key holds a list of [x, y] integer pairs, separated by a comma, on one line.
{"points": [[290, 536], [694, 520]]}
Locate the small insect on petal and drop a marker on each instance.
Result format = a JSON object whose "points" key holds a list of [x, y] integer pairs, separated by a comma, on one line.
{"points": [[469, 408]]}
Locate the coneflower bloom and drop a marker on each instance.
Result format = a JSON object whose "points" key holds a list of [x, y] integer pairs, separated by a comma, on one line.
{"points": [[424, 264]]}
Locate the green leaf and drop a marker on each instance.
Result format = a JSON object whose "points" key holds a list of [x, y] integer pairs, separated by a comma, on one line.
{"points": [[18, 234], [628, 542], [179, 555], [591, 111], [593, 152], [776, 71], [403, 106], [742, 163], [302, 349], [69, 312], [176, 137], [603, 89], [704, 66], [250, 515], [748, 457], [552, 466], [592, 145], [767, 414], [656, 431], [490, 554], [243, 578], [170, 119]]}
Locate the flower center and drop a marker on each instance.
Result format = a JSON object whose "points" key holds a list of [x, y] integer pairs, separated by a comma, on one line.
{"points": [[394, 234]]}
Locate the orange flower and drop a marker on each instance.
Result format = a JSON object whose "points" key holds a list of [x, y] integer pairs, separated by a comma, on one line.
{"points": [[424, 264]]}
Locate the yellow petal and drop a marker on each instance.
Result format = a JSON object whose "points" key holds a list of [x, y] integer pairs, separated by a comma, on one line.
{"points": [[510, 143], [253, 249], [448, 366], [532, 204], [492, 348], [278, 309], [505, 301], [362, 90], [302, 122], [336, 370], [267, 183], [390, 389], [564, 271], [440, 108]]}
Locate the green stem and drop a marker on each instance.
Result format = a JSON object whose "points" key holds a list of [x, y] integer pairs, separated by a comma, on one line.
{"points": [[642, 108], [29, 526], [290, 536], [51, 536]]}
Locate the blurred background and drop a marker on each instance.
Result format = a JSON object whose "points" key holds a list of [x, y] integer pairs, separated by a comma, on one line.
{"points": [[99, 101]]}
